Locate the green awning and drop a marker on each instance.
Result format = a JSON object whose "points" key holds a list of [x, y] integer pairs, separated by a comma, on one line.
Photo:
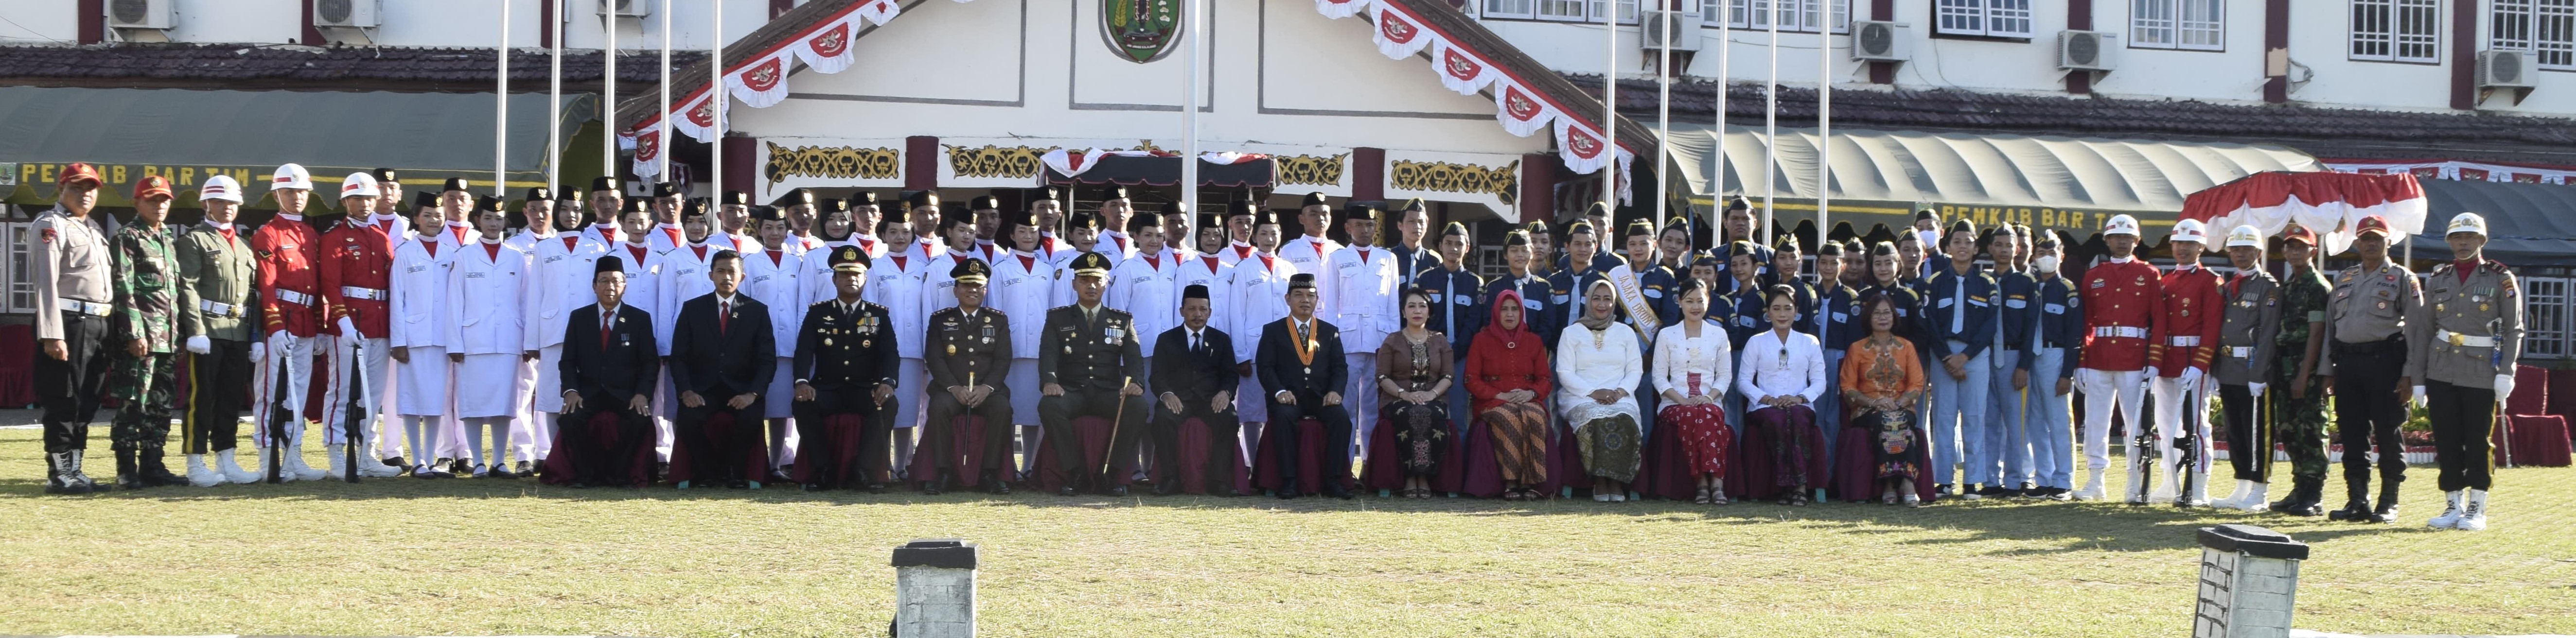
{"points": [[1879, 176], [188, 134]]}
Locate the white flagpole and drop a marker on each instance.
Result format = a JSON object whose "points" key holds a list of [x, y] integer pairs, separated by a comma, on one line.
{"points": [[1663, 106], [1824, 123], [664, 128], [1610, 110], [608, 95], [1717, 170], [1770, 120], [501, 108], [716, 98], [1191, 13], [554, 106]]}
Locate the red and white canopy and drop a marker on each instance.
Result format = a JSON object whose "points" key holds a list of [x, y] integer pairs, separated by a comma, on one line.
{"points": [[2329, 203]]}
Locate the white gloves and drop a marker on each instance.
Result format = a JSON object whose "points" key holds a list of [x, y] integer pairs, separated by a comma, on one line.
{"points": [[200, 344], [2419, 396], [349, 329], [2503, 387], [258, 351], [2152, 373], [2255, 388], [2189, 380]]}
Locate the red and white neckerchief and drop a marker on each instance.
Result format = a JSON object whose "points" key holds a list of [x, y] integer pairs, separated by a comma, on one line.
{"points": [[1243, 251], [638, 251], [672, 233], [458, 231], [1212, 263], [1028, 262], [1364, 254], [775, 255], [700, 249], [571, 240]]}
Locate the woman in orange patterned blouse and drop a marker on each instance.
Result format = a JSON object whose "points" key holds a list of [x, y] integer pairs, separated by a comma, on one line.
{"points": [[1882, 446]]}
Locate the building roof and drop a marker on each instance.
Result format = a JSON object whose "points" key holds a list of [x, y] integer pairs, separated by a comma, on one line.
{"points": [[2333, 132], [278, 66]]}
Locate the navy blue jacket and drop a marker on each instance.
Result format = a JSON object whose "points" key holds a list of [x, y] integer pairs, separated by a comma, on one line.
{"points": [[1969, 300], [1837, 323], [1458, 304], [2061, 320], [2016, 314], [1565, 295], [1537, 308]]}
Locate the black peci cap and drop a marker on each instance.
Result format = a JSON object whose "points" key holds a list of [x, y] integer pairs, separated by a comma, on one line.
{"points": [[385, 176], [455, 184], [666, 189], [1311, 199], [598, 184], [538, 194], [1194, 291], [424, 199], [608, 263], [793, 197], [984, 202], [733, 198], [918, 199]]}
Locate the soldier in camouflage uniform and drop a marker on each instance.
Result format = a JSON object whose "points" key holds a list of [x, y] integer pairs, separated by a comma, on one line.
{"points": [[2299, 382], [145, 322]]}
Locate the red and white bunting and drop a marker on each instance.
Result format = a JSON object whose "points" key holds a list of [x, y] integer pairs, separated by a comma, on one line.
{"points": [[1462, 70], [1338, 9], [1229, 158], [648, 152], [828, 49], [877, 11], [1069, 162], [2457, 170], [1399, 35], [1520, 111], [762, 83], [696, 118]]}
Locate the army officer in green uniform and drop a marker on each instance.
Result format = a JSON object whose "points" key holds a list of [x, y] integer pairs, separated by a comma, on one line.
{"points": [[1089, 365]]}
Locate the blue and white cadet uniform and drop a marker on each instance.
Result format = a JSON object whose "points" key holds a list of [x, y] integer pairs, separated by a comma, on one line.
{"points": [[1960, 320], [1260, 297], [1536, 308], [1643, 295], [1022, 283], [1835, 327], [1458, 311], [1410, 261], [1367, 304], [1566, 286], [2048, 421], [2007, 441], [1312, 253]]}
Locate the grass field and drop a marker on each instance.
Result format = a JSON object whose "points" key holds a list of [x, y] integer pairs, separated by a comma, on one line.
{"points": [[406, 556]]}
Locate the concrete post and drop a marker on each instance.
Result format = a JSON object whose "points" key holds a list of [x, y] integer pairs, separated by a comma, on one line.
{"points": [[934, 589], [2249, 582]]}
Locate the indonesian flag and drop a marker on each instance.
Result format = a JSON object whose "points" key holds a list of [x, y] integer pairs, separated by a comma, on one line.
{"points": [[2328, 203]]}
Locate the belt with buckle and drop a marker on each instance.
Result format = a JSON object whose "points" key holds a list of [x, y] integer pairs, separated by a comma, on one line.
{"points": [[2183, 341], [371, 294], [2458, 339], [2241, 352], [2129, 332], [293, 297], [87, 307], [219, 309]]}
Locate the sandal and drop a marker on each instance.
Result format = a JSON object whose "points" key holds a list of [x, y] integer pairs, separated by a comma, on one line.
{"points": [[1888, 498], [1701, 498], [1913, 500], [1800, 500], [1717, 497]]}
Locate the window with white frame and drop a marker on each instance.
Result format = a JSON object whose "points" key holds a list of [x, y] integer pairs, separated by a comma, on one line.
{"points": [[21, 289], [1794, 15], [2545, 328], [1992, 18], [1560, 9], [2397, 30], [1627, 10], [2546, 28], [1511, 8], [2195, 25]]}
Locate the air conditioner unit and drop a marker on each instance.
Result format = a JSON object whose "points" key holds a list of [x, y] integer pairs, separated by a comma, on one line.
{"points": [[142, 14], [2084, 50], [2504, 69], [1683, 25], [1879, 41], [626, 8], [359, 14]]}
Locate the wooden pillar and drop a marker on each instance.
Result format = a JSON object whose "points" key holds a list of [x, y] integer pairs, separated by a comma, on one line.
{"points": [[546, 24], [2276, 51], [2079, 17], [91, 15], [312, 36], [2464, 54], [741, 163], [1538, 187], [1368, 174], [1882, 72], [920, 162]]}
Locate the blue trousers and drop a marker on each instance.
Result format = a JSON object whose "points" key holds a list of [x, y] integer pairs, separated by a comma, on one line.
{"points": [[2007, 448], [2048, 422], [1958, 421]]}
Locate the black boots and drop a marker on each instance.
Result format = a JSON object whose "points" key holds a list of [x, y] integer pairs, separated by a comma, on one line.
{"points": [[2387, 512], [126, 476], [63, 475], [155, 472], [2304, 498], [2356, 505]]}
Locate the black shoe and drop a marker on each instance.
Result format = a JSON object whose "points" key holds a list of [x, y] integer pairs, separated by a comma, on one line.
{"points": [[2386, 514], [155, 472], [999, 487], [932, 487], [1993, 491], [58, 478], [1116, 491], [459, 468], [1941, 491], [737, 484], [1336, 491], [813, 487], [876, 488], [1288, 492], [578, 485], [2353, 510], [126, 475], [524, 468], [1068, 491], [497, 473], [397, 461], [1167, 488]]}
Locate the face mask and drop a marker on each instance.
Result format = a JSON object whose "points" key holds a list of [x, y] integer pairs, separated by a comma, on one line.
{"points": [[1929, 238], [2046, 263]]}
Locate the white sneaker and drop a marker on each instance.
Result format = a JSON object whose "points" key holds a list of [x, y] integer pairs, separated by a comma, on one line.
{"points": [[295, 465], [232, 471], [2473, 516], [2255, 500], [198, 475], [372, 468], [2450, 518]]}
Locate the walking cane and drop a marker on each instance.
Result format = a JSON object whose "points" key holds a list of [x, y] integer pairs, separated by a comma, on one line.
{"points": [[1115, 416]]}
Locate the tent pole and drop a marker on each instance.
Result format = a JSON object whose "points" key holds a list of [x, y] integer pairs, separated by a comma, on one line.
{"points": [[1770, 124]]}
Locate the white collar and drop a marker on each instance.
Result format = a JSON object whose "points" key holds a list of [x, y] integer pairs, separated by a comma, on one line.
{"points": [[722, 300], [222, 226], [2123, 260], [284, 216]]}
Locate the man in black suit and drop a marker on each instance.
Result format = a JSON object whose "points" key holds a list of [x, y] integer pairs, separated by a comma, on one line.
{"points": [[969, 355], [608, 368], [1087, 366], [1299, 364], [1194, 377], [722, 357], [845, 378]]}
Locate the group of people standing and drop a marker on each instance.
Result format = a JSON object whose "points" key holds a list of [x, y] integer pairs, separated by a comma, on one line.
{"points": [[853, 343]]}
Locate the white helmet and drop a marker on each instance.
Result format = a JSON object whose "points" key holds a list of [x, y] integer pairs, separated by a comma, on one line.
{"points": [[220, 187], [2189, 230], [290, 176], [2244, 235], [2468, 223], [358, 185], [2120, 225]]}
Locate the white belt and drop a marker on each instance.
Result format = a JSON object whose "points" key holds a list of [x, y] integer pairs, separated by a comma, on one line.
{"points": [[2241, 352], [219, 309], [2458, 339], [293, 297], [371, 294], [87, 307], [2183, 342], [2130, 332]]}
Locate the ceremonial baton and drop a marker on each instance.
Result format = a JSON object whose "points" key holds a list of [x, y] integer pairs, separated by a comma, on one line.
{"points": [[1114, 417]]}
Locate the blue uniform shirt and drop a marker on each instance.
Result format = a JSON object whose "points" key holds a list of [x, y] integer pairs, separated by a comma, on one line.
{"points": [[1836, 325], [2017, 313], [1458, 304], [1565, 292], [2061, 320], [1745, 316], [1961, 308]]}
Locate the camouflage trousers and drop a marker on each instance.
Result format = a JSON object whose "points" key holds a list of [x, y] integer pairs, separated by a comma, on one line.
{"points": [[2299, 424], [144, 385]]}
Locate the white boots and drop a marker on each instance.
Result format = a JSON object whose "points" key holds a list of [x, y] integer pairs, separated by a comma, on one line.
{"points": [[232, 471], [2257, 499], [2473, 515], [2232, 500], [294, 468], [2450, 516], [2092, 490], [198, 475]]}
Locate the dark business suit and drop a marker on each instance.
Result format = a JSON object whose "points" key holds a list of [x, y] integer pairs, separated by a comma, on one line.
{"points": [[958, 348], [1194, 374], [1091, 359], [720, 360], [845, 356], [1277, 364], [609, 370]]}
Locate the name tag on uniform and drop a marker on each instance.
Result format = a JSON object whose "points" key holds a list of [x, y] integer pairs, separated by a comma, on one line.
{"points": [[415, 269], [477, 275], [2016, 303], [2054, 309], [1841, 318], [1533, 305], [759, 279], [554, 259], [1944, 302], [1347, 264], [1652, 293], [1464, 300]]}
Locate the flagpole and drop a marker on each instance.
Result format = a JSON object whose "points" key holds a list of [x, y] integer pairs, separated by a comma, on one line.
{"points": [[501, 108], [1663, 105], [1824, 123], [1610, 109], [608, 94], [554, 105], [663, 129], [716, 101], [1191, 13], [1770, 124], [1717, 170]]}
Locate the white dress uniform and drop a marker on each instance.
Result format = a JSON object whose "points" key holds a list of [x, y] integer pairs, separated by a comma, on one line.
{"points": [[1020, 288], [418, 325], [664, 237], [895, 282], [559, 281], [1142, 287], [1366, 285], [1212, 271], [1314, 255], [485, 323], [771, 276], [683, 276], [1234, 252], [1260, 297], [817, 278]]}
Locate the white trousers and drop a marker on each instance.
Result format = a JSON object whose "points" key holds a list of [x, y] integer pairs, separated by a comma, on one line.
{"points": [[2170, 409], [532, 431], [375, 361], [290, 360], [2104, 389]]}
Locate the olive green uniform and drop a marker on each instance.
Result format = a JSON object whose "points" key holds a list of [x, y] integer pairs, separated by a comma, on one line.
{"points": [[2467, 331]]}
